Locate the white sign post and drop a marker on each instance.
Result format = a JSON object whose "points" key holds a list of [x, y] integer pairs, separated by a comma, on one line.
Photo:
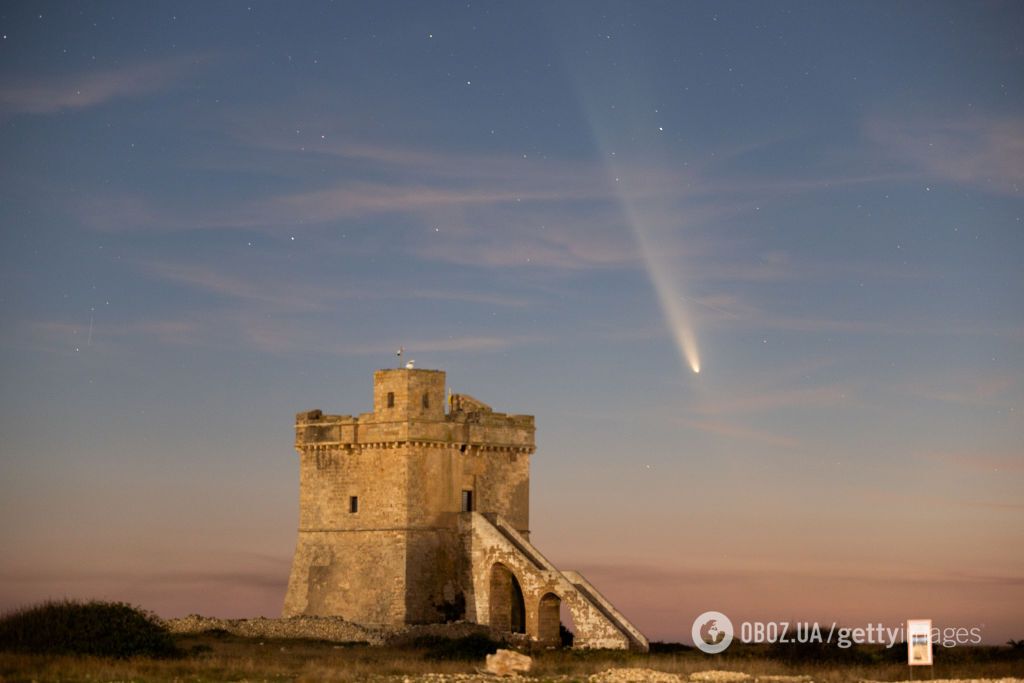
{"points": [[919, 642]]}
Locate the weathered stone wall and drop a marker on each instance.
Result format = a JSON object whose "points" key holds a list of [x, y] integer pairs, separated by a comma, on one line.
{"points": [[329, 476], [398, 558], [358, 575], [417, 394], [502, 482]]}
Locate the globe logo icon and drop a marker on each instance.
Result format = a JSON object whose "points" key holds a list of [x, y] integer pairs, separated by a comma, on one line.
{"points": [[712, 632]]}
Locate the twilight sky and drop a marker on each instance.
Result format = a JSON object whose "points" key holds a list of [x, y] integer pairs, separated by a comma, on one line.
{"points": [[214, 215]]}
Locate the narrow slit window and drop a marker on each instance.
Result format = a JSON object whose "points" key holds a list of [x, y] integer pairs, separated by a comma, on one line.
{"points": [[391, 399], [426, 401], [467, 501], [353, 504]]}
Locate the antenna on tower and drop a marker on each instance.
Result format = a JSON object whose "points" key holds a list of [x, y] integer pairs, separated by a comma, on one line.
{"points": [[398, 354]]}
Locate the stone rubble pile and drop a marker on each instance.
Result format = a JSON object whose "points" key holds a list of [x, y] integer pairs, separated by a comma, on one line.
{"points": [[332, 629]]}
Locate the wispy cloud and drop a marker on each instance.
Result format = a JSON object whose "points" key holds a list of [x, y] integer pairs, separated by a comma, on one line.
{"points": [[776, 399], [685, 575], [969, 390], [1004, 463], [726, 309], [92, 88], [280, 336], [219, 282], [277, 334], [67, 335], [270, 580], [273, 292], [733, 430], [984, 153]]}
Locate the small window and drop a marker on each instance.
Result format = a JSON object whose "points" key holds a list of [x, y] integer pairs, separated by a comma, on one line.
{"points": [[353, 504], [426, 401], [391, 399], [467, 501]]}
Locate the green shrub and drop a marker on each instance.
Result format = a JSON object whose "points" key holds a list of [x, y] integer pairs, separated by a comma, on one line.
{"points": [[104, 629]]}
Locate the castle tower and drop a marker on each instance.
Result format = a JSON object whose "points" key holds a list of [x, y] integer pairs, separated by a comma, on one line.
{"points": [[380, 496], [419, 512]]}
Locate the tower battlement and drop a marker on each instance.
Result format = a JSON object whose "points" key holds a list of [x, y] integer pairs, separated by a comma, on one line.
{"points": [[410, 407]]}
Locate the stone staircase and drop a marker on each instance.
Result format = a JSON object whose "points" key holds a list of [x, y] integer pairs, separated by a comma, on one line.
{"points": [[493, 541]]}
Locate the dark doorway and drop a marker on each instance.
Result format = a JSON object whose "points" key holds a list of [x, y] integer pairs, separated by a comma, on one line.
{"points": [[508, 610], [549, 619]]}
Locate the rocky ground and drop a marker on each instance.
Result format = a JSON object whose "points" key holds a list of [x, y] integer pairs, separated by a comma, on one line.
{"points": [[308, 661], [635, 675], [331, 629]]}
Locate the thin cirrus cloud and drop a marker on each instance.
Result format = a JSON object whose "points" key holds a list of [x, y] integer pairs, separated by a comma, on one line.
{"points": [[93, 88], [967, 390], [729, 310], [65, 334], [504, 211], [735, 431], [984, 153], [279, 336], [257, 290], [271, 293], [778, 398], [270, 579], [252, 329], [1005, 463]]}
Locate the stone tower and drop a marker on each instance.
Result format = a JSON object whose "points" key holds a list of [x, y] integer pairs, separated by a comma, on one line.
{"points": [[419, 512]]}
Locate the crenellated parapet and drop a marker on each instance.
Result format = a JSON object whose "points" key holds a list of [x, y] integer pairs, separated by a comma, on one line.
{"points": [[467, 431]]}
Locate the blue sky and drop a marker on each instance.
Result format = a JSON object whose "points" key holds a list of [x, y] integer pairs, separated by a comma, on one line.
{"points": [[215, 215]]}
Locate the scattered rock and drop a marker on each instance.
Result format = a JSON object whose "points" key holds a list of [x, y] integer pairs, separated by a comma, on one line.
{"points": [[967, 680], [633, 676], [507, 663], [719, 677]]}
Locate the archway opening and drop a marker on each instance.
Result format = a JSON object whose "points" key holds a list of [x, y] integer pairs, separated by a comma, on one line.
{"points": [[508, 610], [567, 627], [549, 619]]}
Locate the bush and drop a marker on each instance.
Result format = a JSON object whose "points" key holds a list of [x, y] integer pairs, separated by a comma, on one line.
{"points": [[104, 629], [659, 647], [468, 648]]}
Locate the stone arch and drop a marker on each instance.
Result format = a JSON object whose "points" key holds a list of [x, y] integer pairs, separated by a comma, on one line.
{"points": [[507, 607], [549, 619]]}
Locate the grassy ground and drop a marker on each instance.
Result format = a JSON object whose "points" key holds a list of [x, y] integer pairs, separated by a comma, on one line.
{"points": [[221, 657]]}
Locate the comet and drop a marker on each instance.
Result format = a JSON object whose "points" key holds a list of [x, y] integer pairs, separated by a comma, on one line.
{"points": [[645, 220], [666, 288]]}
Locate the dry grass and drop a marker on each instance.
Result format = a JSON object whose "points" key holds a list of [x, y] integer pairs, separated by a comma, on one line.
{"points": [[228, 658]]}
